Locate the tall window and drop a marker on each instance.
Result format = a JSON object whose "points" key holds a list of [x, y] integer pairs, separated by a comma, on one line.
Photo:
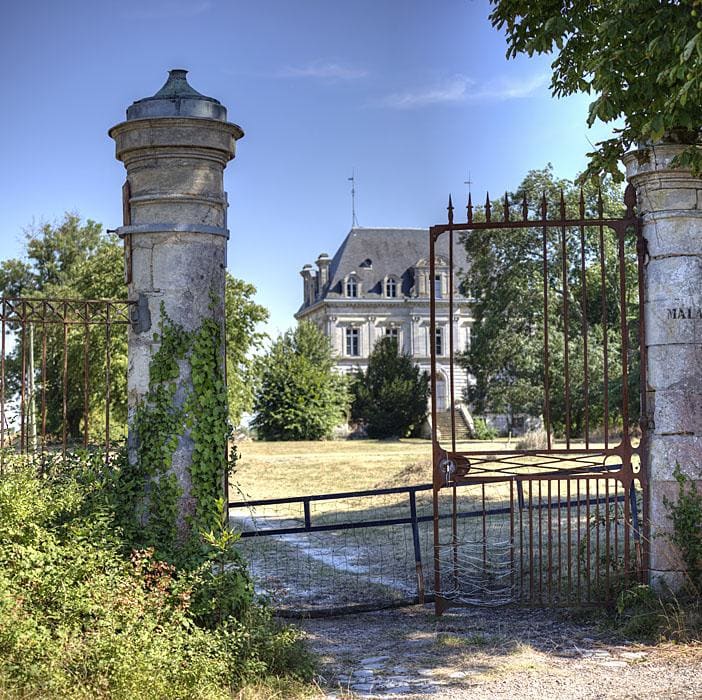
{"points": [[392, 333], [391, 288], [352, 342], [437, 286], [439, 341], [351, 287]]}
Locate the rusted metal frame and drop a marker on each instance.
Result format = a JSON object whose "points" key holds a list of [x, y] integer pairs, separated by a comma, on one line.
{"points": [[439, 603], [24, 442], [589, 543], [583, 298], [64, 436], [416, 546], [578, 540], [566, 349], [108, 343], [43, 387], [86, 379], [608, 542], [550, 544], [560, 543], [59, 311], [624, 330], [569, 551], [511, 534], [605, 339], [541, 549], [547, 396], [531, 543], [532, 223], [482, 488]]}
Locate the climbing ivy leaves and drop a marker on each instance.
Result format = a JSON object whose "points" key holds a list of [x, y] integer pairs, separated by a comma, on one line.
{"points": [[169, 412]]}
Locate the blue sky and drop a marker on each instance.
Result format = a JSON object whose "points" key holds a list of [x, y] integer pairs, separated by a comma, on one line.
{"points": [[411, 94]]}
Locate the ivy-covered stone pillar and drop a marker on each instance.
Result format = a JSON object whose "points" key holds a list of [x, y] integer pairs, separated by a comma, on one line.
{"points": [[175, 146], [670, 203]]}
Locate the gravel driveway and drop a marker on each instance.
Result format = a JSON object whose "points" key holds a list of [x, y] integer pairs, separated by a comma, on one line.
{"points": [[494, 653]]}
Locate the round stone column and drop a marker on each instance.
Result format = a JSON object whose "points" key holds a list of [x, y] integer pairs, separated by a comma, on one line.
{"points": [[670, 202], [175, 146]]}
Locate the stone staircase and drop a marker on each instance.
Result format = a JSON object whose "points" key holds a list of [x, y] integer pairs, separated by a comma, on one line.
{"points": [[443, 422]]}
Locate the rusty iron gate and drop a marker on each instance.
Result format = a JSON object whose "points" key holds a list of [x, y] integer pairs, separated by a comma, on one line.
{"points": [[565, 505], [62, 376]]}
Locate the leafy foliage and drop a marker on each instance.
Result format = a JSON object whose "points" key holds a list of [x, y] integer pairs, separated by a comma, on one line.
{"points": [[84, 616], [641, 60], [242, 318], [686, 516], [299, 397], [507, 342], [390, 397]]}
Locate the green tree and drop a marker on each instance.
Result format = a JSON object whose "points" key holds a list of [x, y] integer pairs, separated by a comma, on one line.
{"points": [[641, 59], [243, 315], [75, 259], [390, 397], [299, 397], [506, 356]]}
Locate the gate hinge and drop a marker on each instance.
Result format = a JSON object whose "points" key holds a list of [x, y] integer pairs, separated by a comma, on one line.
{"points": [[140, 316]]}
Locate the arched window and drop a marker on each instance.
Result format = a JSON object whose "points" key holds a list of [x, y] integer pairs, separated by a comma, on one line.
{"points": [[351, 287], [391, 288]]}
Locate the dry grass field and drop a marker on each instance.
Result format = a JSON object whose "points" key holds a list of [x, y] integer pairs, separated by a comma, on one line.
{"points": [[282, 469]]}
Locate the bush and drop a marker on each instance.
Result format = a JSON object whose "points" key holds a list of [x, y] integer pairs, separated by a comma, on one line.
{"points": [[483, 431], [80, 617], [390, 397], [533, 440]]}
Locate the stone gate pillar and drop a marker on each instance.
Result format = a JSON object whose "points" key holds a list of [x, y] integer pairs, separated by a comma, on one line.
{"points": [[670, 202], [175, 146]]}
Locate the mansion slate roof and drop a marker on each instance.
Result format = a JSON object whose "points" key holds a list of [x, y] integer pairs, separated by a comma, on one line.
{"points": [[376, 253]]}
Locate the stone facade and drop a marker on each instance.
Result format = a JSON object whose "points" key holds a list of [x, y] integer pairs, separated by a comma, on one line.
{"points": [[378, 284], [670, 203]]}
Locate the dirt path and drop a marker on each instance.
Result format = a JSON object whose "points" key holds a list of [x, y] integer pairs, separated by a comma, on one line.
{"points": [[495, 654]]}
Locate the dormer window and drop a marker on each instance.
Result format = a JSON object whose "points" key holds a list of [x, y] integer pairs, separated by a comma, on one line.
{"points": [[391, 288], [367, 264], [351, 287]]}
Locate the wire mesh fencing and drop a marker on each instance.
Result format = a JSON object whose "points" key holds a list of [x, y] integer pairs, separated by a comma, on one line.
{"points": [[529, 540]]}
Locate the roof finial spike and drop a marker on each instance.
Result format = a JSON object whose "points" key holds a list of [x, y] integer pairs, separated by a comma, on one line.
{"points": [[582, 203], [544, 206], [562, 204], [450, 209], [487, 207], [506, 207], [630, 199], [525, 208], [469, 209], [600, 205]]}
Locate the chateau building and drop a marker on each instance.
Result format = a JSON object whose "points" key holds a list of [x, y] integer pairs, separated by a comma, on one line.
{"points": [[378, 284]]}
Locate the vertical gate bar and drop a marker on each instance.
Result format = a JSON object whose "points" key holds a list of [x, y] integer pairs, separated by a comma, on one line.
{"points": [[23, 382], [308, 515], [541, 550], [605, 354], [417, 547], [43, 378], [569, 552], [615, 518], [450, 328], [86, 388], [521, 546], [438, 607], [64, 440], [108, 343], [608, 560], [588, 525], [511, 534], [624, 330], [566, 354], [531, 544], [560, 542], [550, 546], [547, 397], [454, 532], [627, 528], [484, 530], [583, 297], [598, 522], [636, 532], [2, 389], [578, 540]]}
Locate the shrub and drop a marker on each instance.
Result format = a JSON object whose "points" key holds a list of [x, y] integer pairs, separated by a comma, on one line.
{"points": [[533, 440], [483, 431], [82, 617]]}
